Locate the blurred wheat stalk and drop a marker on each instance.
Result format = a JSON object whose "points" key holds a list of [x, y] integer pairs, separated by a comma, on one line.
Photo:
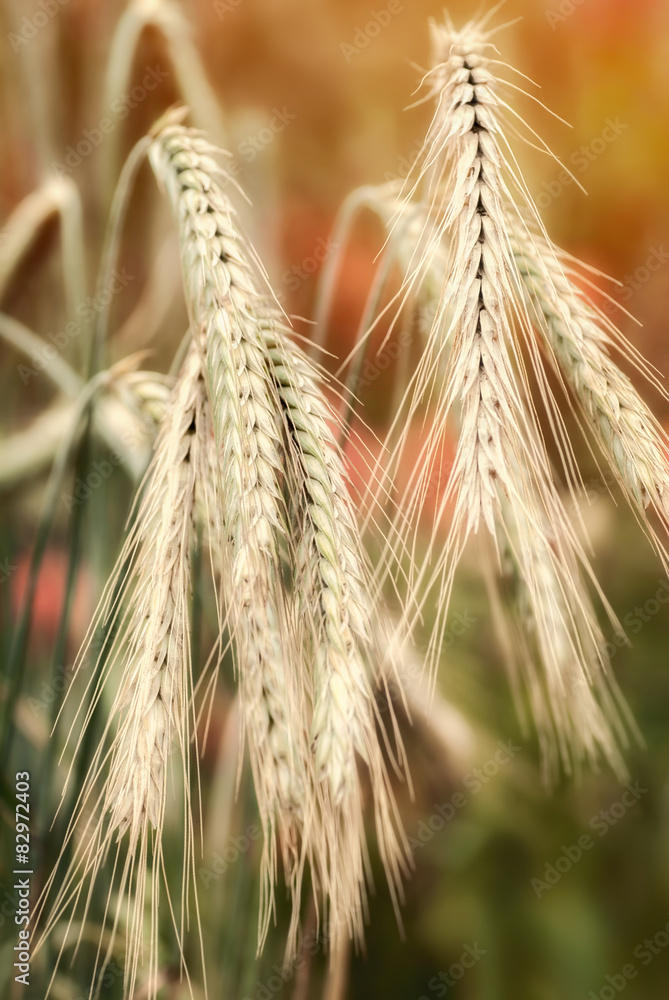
{"points": [[248, 460]]}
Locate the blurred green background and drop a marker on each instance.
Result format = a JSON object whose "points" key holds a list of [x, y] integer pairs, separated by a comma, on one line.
{"points": [[309, 114]]}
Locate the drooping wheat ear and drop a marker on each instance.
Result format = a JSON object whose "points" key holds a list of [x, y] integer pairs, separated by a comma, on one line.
{"points": [[549, 613], [333, 596], [154, 691], [581, 336], [474, 365], [579, 714], [126, 787], [330, 587], [247, 438], [283, 494], [244, 528]]}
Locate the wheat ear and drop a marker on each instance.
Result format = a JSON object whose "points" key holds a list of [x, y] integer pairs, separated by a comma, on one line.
{"points": [[155, 691], [126, 787], [578, 711], [223, 302], [500, 452], [581, 336], [474, 366], [333, 590], [285, 480], [546, 608]]}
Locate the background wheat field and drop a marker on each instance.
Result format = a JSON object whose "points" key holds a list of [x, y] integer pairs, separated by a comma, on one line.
{"points": [[519, 891]]}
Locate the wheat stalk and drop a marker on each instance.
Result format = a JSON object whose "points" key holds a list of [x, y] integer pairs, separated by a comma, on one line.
{"points": [[126, 786], [331, 573], [154, 691], [284, 495], [581, 337], [246, 514], [333, 590], [247, 464], [574, 700], [500, 452], [474, 208], [549, 616]]}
